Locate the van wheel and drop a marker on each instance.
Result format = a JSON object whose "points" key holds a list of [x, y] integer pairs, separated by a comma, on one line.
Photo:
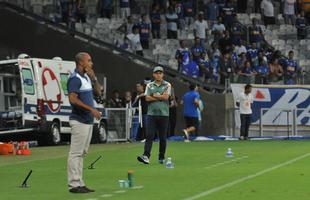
{"points": [[100, 133], [52, 136]]}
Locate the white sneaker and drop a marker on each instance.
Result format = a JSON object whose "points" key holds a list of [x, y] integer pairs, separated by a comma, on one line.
{"points": [[186, 134], [143, 159], [187, 140], [142, 141]]}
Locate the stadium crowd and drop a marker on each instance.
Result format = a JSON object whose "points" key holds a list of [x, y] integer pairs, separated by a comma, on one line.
{"points": [[223, 49]]}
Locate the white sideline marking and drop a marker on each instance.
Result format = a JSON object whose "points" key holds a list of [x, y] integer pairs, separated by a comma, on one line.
{"points": [[137, 187], [120, 191], [106, 195], [226, 162], [216, 189]]}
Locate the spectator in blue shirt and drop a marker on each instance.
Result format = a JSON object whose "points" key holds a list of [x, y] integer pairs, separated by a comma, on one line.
{"points": [[247, 72], [191, 103], [179, 10], [262, 72], [156, 21], [256, 33], [212, 12], [221, 4], [229, 13], [181, 52], [252, 52], [188, 6], [301, 25], [197, 50], [236, 31], [291, 69], [145, 30], [106, 8], [189, 67], [205, 69]]}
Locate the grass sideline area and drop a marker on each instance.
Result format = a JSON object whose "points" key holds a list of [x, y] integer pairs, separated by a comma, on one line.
{"points": [[270, 170]]}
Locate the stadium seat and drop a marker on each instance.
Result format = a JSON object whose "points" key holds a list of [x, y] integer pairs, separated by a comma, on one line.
{"points": [[304, 42], [79, 27], [87, 31]]}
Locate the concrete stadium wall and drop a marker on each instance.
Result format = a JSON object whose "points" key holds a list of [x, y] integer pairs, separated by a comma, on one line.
{"points": [[38, 40]]}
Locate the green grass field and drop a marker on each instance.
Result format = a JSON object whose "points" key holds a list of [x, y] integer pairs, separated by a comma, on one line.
{"points": [[269, 170]]}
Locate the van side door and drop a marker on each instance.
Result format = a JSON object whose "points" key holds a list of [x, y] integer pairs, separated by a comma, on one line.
{"points": [[29, 93]]}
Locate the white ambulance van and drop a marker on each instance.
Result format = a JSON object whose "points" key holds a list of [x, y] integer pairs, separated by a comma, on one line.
{"points": [[34, 99]]}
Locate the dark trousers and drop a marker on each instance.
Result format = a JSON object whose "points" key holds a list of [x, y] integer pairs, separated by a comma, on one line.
{"points": [[172, 34], [140, 53], [80, 17], [154, 124], [269, 21], [245, 124], [141, 130], [145, 44], [156, 33], [172, 121], [106, 13]]}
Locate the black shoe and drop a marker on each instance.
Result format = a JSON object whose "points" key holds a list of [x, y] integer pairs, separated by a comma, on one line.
{"points": [[78, 190], [88, 189], [143, 159]]}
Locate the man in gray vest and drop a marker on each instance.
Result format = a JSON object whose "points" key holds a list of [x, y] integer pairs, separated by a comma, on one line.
{"points": [[157, 95]]}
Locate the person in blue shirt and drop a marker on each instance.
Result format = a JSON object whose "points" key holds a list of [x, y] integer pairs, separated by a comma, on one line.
{"points": [[229, 13], [252, 52], [291, 69], [106, 8], [155, 21], [256, 33], [179, 10], [189, 67], [247, 73], [197, 50], [301, 25], [82, 85], [189, 13], [212, 12], [181, 53], [262, 72], [221, 4], [269, 54], [145, 30], [214, 64], [205, 69], [190, 102], [234, 56], [236, 31]]}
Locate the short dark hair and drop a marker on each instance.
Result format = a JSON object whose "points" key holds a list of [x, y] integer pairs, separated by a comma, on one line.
{"points": [[192, 86], [247, 86]]}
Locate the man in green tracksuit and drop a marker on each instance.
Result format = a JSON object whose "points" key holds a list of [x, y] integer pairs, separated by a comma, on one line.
{"points": [[156, 94]]}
